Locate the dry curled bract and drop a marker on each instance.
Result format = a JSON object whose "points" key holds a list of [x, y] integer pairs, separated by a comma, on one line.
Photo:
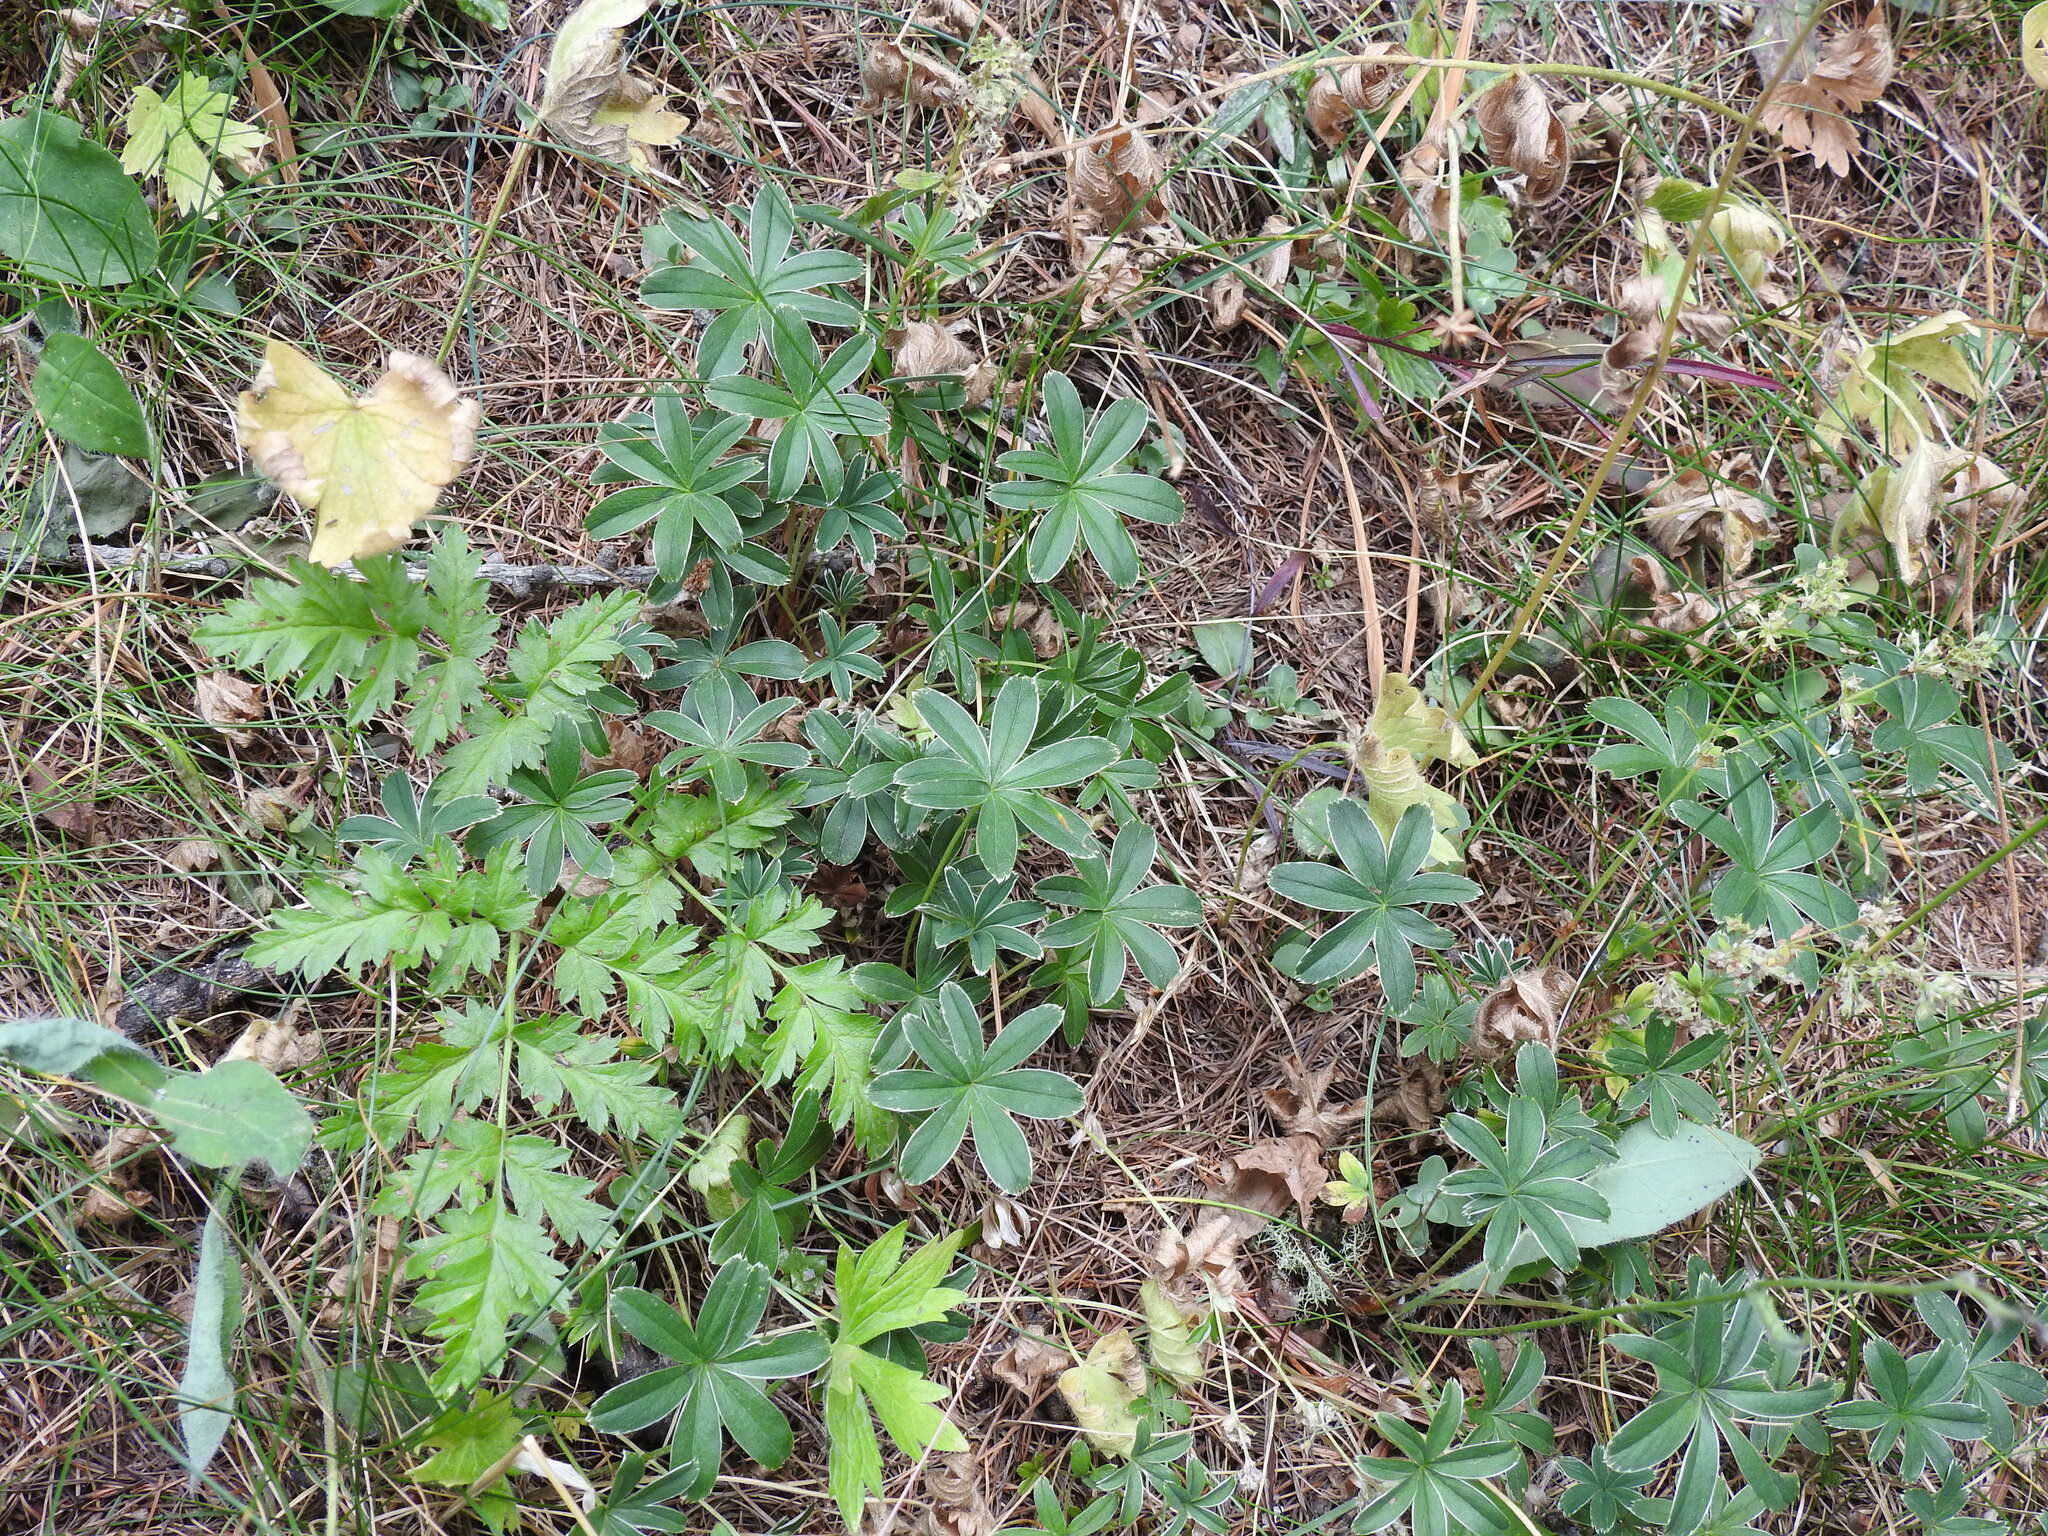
{"points": [[892, 74], [227, 703], [958, 1505], [1522, 133], [1029, 1364], [1527, 1006], [919, 349], [1811, 115], [1426, 201], [1117, 181], [1340, 96]]}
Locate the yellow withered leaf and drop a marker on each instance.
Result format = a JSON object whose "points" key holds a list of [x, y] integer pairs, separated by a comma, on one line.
{"points": [[367, 467], [2034, 43]]}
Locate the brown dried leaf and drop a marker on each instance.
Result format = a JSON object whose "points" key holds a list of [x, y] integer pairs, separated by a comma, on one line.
{"points": [[1004, 1226], [193, 855], [48, 799], [1418, 1100], [227, 702], [1270, 1175], [1811, 115], [1028, 1364], [116, 1197], [363, 1276], [1693, 508], [1425, 213], [1522, 133], [890, 73], [1278, 258], [1226, 299], [1339, 97], [279, 1043], [1527, 1006], [1299, 1107]]}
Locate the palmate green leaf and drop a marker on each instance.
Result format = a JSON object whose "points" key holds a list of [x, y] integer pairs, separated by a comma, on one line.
{"points": [[1383, 885], [475, 1156], [1716, 1377], [1992, 1382], [1435, 1481], [1524, 1183], [720, 727], [712, 1389], [880, 1292], [750, 283], [1118, 917], [412, 824], [995, 776], [1080, 489], [685, 483], [1769, 884], [1916, 1407], [1676, 748], [559, 812], [816, 404], [969, 1085]]}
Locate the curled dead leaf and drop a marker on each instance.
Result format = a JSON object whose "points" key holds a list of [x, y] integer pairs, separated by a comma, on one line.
{"points": [[363, 1276], [1276, 259], [1425, 213], [227, 702], [1694, 509], [1811, 116], [193, 855], [921, 349], [1225, 298], [590, 102], [115, 1197], [1339, 97], [1417, 1100], [1522, 133], [279, 1044], [1527, 1006], [1004, 1226], [891, 74], [61, 808]]}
